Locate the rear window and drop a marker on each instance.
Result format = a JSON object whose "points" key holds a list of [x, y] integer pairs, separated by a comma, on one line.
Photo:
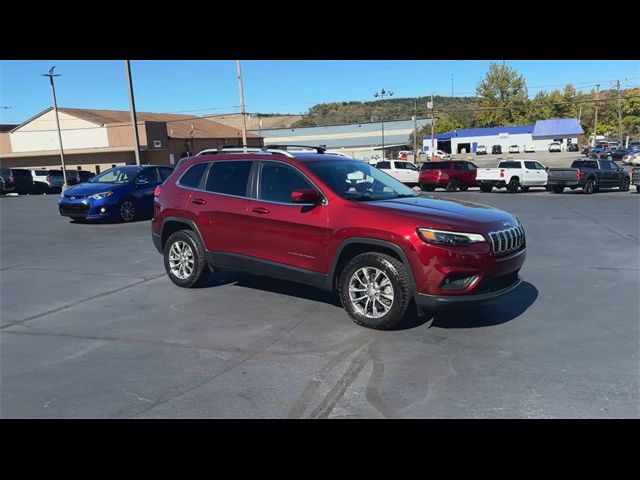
{"points": [[436, 166], [509, 165], [229, 178], [193, 175]]}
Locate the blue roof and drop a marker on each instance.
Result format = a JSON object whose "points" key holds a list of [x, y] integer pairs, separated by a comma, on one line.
{"points": [[483, 132], [558, 127]]}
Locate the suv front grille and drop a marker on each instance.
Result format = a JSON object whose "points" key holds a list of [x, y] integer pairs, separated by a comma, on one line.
{"points": [[508, 240]]}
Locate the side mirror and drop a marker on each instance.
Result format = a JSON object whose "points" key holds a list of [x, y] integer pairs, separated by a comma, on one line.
{"points": [[305, 195], [546, 169]]}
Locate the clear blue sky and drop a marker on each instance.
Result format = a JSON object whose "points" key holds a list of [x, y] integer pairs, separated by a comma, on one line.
{"points": [[285, 86]]}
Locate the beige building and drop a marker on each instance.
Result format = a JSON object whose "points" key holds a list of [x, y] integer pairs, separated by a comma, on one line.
{"points": [[95, 140], [256, 121]]}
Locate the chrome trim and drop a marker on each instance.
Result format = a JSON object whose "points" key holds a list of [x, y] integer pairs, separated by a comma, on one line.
{"points": [[507, 240]]}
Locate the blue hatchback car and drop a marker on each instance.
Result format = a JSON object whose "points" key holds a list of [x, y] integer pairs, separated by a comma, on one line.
{"points": [[120, 193]]}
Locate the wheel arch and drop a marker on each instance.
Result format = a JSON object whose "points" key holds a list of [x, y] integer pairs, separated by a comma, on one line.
{"points": [[354, 246], [171, 225]]}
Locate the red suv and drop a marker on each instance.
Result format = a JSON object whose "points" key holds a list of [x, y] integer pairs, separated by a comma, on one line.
{"points": [[451, 175], [334, 223]]}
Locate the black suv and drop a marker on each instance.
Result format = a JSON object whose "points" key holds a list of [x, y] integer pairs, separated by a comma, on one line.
{"points": [[7, 182], [573, 147], [23, 180], [78, 176], [496, 150]]}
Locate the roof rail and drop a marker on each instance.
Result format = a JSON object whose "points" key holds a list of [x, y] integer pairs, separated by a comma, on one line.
{"points": [[317, 148], [254, 150]]}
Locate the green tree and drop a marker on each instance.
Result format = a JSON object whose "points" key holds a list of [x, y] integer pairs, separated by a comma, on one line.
{"points": [[502, 97]]}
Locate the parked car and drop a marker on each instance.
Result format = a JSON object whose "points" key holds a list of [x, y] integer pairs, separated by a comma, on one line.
{"points": [[614, 153], [634, 145], [555, 147], [47, 180], [590, 175], [78, 176], [573, 147], [7, 182], [632, 158], [450, 175], [496, 150], [529, 149], [441, 154], [121, 193], [514, 149], [595, 151], [299, 217], [401, 170], [23, 181], [513, 175], [481, 150], [635, 178]]}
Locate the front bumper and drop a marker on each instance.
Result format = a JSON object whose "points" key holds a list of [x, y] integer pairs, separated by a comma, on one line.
{"points": [[86, 208]]}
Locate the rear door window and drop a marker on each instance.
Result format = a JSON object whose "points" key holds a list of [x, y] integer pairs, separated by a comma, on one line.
{"points": [[386, 165], [150, 175], [229, 178]]}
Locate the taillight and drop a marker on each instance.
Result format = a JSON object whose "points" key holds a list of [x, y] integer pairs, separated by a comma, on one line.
{"points": [[501, 173], [157, 191], [48, 178], [579, 174]]}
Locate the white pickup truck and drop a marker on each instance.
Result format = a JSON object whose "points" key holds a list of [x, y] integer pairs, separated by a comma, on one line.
{"points": [[512, 174], [404, 171]]}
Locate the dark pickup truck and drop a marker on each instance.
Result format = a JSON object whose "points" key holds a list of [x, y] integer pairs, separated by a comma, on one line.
{"points": [[590, 175]]}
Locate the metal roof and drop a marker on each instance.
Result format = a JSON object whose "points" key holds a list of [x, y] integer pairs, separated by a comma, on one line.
{"points": [[558, 127], [483, 132]]}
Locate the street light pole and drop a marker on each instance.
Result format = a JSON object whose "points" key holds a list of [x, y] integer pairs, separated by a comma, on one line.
{"points": [[244, 118], [55, 109], [132, 108], [381, 94]]}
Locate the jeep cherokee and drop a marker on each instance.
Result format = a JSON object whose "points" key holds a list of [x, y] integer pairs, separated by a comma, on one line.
{"points": [[336, 224]]}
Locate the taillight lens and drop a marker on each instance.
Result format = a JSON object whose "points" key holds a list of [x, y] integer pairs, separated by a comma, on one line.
{"points": [[502, 173], [157, 191], [579, 174]]}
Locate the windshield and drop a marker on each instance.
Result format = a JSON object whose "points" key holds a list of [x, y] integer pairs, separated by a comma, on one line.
{"points": [[358, 181], [116, 175]]}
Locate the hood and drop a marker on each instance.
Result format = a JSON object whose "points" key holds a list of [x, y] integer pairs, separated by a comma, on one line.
{"points": [[447, 214], [91, 188]]}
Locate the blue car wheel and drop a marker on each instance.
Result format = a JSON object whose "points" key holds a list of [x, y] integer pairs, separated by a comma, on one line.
{"points": [[127, 210]]}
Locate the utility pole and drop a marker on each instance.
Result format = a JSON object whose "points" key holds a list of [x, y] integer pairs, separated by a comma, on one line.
{"points": [[381, 94], [432, 126], [244, 118], [620, 116], [595, 123], [452, 85], [55, 108], [132, 108], [415, 131]]}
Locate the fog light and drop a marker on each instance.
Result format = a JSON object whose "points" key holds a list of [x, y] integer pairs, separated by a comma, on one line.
{"points": [[102, 210]]}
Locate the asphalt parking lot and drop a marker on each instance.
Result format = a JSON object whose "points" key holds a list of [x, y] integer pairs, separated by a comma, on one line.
{"points": [[92, 328]]}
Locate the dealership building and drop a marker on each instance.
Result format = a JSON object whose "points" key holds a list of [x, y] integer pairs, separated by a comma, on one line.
{"points": [[95, 140], [540, 135]]}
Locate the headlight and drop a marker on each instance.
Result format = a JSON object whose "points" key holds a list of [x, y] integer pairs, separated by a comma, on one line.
{"points": [[453, 239], [98, 196]]}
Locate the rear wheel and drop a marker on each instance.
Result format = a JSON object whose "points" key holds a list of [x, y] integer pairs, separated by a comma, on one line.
{"points": [[486, 188], [589, 187], [185, 259], [638, 188], [427, 188], [513, 185], [375, 290], [452, 186], [464, 188], [625, 185]]}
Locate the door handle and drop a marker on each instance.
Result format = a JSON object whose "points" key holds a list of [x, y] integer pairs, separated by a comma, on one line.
{"points": [[199, 201], [260, 210]]}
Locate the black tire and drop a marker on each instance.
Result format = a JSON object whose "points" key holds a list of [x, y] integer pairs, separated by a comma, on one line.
{"points": [[399, 282], [524, 189], [557, 189], [625, 185], [589, 187], [427, 188], [200, 271], [463, 188], [452, 186], [127, 210], [513, 185], [486, 188], [637, 188]]}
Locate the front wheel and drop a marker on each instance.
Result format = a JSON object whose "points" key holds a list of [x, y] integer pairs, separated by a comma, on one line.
{"points": [[375, 290], [127, 210], [427, 188], [452, 186], [464, 188], [185, 259], [637, 188], [524, 189]]}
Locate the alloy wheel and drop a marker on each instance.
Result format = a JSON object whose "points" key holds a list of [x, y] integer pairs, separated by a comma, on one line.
{"points": [[127, 210], [371, 292], [181, 261]]}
